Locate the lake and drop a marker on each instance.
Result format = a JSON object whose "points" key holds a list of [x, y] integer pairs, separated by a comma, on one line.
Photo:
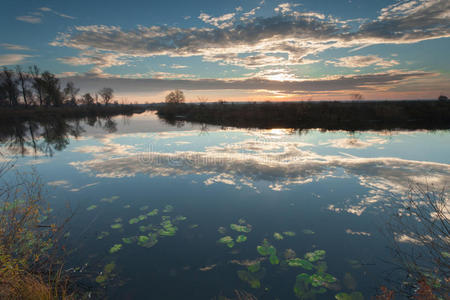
{"points": [[188, 211]]}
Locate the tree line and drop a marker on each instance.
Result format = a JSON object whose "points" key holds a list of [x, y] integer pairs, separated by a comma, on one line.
{"points": [[36, 88]]}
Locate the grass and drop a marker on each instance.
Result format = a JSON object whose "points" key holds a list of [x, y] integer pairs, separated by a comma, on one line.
{"points": [[307, 115], [30, 263], [41, 113]]}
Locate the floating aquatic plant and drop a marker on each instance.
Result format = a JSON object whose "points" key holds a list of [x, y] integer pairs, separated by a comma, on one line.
{"points": [[277, 236], [153, 212], [180, 218], [193, 226], [349, 281], [116, 226], [352, 296], [303, 288], [168, 229], [133, 221], [222, 230], [242, 221], [115, 248], [266, 249], [142, 217], [274, 259], [241, 228], [227, 240], [289, 233], [143, 208], [148, 241], [107, 270], [129, 240], [127, 206], [241, 238], [321, 279], [251, 278], [308, 231], [289, 254], [102, 235], [254, 267], [118, 220], [109, 200], [92, 207], [315, 256], [299, 262], [168, 209]]}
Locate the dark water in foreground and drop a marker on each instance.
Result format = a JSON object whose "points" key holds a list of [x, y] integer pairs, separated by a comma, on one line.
{"points": [[153, 201]]}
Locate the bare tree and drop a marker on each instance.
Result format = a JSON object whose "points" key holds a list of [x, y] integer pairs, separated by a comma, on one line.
{"points": [[23, 78], [175, 97], [51, 89], [37, 82], [70, 93], [87, 99], [107, 95], [9, 85]]}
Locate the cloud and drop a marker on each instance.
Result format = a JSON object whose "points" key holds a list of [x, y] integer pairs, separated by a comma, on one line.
{"points": [[14, 47], [36, 17], [12, 59], [284, 82], [101, 60], [363, 61], [292, 34], [29, 19], [175, 66]]}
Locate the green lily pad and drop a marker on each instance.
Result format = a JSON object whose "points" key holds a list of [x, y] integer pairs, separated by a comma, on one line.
{"points": [[143, 208], [308, 231], [148, 241], [266, 249], [274, 259], [303, 288], [227, 240], [129, 240], [127, 206], [153, 212], [298, 262], [289, 254], [101, 279], [289, 233], [242, 221], [116, 226], [315, 256], [109, 268], [352, 296], [168, 209], [180, 218], [146, 228], [92, 207], [250, 278], [142, 217], [241, 238], [193, 226], [133, 221], [117, 220], [241, 228], [277, 236], [222, 230], [102, 235], [321, 279], [115, 248], [254, 268]]}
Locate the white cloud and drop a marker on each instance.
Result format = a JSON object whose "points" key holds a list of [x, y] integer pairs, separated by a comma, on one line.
{"points": [[29, 19], [364, 61], [12, 59], [14, 47]]}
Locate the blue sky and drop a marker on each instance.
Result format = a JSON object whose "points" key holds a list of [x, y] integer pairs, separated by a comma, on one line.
{"points": [[236, 50]]}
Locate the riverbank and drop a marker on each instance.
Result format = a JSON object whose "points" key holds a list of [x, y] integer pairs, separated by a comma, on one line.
{"points": [[40, 113], [373, 115]]}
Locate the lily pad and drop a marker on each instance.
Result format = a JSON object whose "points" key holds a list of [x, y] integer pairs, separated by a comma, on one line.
{"points": [[241, 238], [274, 259], [227, 240], [193, 226], [277, 236], [349, 281], [241, 228], [308, 231], [222, 230], [266, 249], [129, 240], [115, 248], [148, 241], [321, 279], [250, 278], [180, 218], [242, 221], [143, 208], [315, 256], [254, 267], [117, 220], [352, 296], [116, 226], [133, 221], [289, 233], [142, 217], [303, 288], [168, 209], [127, 206], [102, 235], [299, 262], [153, 212], [92, 207]]}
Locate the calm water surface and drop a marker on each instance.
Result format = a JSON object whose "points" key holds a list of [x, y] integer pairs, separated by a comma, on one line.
{"points": [[154, 203]]}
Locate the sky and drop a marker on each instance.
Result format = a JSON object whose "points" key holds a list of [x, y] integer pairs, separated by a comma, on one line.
{"points": [[235, 50]]}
